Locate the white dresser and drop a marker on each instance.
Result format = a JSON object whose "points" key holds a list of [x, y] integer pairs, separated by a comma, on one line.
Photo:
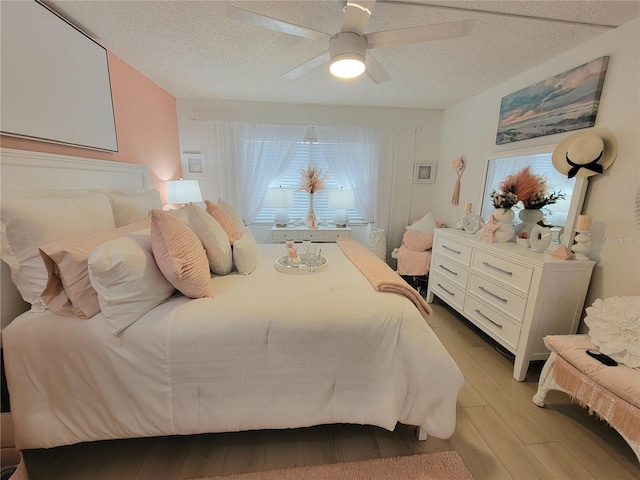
{"points": [[320, 234], [513, 294]]}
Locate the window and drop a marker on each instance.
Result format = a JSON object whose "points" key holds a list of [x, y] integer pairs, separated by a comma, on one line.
{"points": [[310, 152]]}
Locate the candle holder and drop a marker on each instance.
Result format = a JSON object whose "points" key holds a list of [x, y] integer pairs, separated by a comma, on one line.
{"points": [[582, 245]]}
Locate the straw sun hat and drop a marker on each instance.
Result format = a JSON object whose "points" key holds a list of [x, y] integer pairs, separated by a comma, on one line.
{"points": [[585, 152]]}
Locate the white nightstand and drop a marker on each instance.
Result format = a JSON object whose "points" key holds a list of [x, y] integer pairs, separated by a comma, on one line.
{"points": [[320, 234]]}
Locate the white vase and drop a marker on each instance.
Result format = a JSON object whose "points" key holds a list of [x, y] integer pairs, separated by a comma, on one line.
{"points": [[530, 218], [503, 215], [310, 219]]}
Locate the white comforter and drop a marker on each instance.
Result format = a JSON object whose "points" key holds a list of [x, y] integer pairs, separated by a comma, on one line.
{"points": [[268, 351]]}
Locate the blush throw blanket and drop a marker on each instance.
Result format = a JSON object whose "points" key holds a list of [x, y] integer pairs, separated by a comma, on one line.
{"points": [[380, 275]]}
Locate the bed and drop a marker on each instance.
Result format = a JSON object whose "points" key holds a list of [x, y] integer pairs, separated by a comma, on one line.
{"points": [[266, 350]]}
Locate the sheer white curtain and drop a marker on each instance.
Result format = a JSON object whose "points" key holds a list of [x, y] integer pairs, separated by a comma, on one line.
{"points": [[353, 157], [245, 158]]}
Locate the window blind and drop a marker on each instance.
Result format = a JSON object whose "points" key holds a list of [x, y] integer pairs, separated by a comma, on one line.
{"points": [[310, 153]]}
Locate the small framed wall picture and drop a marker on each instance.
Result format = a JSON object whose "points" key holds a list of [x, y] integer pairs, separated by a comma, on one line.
{"points": [[424, 173], [192, 164]]}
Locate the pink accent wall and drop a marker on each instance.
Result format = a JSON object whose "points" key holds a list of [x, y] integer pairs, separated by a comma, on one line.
{"points": [[146, 126]]}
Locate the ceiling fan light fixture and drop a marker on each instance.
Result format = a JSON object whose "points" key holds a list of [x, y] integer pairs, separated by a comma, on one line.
{"points": [[347, 51], [347, 65]]}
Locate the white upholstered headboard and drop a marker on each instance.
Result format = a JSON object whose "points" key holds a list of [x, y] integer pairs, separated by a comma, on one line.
{"points": [[26, 174]]}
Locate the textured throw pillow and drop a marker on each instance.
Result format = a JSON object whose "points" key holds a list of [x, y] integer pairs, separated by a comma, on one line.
{"points": [[213, 238], [127, 280], [614, 326], [131, 207], [68, 291], [234, 214], [245, 253], [417, 241], [425, 224], [29, 223], [224, 220], [180, 255]]}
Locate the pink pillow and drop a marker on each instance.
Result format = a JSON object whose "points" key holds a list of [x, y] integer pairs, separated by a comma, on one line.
{"points": [[417, 241], [180, 255], [224, 220], [68, 291]]}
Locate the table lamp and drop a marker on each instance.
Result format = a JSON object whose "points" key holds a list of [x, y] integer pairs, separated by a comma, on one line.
{"points": [[280, 198], [340, 200], [181, 192]]}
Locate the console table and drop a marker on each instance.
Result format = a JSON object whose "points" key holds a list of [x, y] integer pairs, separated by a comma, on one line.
{"points": [[320, 234], [513, 294]]}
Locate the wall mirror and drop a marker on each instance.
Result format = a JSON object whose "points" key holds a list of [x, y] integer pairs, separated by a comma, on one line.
{"points": [[561, 216]]}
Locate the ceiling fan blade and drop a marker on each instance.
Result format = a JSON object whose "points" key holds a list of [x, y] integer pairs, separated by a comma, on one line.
{"points": [[424, 33], [308, 65], [274, 24], [374, 70], [356, 15]]}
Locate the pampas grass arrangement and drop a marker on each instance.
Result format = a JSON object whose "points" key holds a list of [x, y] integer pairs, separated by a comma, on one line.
{"points": [[530, 189], [312, 178]]}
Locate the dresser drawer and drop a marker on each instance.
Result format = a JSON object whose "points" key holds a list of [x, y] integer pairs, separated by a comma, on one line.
{"points": [[498, 296], [280, 236], [447, 290], [493, 322], [503, 270], [457, 251], [450, 270], [333, 235]]}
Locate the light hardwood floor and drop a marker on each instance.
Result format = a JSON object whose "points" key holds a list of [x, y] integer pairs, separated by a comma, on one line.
{"points": [[500, 434]]}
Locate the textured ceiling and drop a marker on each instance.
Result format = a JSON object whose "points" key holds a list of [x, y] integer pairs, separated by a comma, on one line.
{"points": [[192, 50]]}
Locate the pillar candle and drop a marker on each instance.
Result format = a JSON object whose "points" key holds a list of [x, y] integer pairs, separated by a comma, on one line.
{"points": [[467, 207], [585, 222]]}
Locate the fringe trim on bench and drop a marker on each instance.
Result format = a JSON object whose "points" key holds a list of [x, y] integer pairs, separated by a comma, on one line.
{"points": [[619, 413]]}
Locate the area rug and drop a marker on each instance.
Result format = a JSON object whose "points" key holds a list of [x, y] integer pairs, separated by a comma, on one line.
{"points": [[428, 466]]}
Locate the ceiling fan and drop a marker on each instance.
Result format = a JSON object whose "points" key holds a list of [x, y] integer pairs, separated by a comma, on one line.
{"points": [[347, 51]]}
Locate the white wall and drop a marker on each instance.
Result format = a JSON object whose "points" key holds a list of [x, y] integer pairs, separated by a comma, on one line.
{"points": [[469, 129], [410, 200]]}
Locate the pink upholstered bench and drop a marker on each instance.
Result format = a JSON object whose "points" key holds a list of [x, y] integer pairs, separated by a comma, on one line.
{"points": [[613, 393]]}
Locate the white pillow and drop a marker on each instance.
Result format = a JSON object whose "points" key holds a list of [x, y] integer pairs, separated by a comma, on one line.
{"points": [[233, 213], [426, 224], [614, 326], [29, 223], [181, 213], [132, 207], [213, 238], [245, 253], [127, 279]]}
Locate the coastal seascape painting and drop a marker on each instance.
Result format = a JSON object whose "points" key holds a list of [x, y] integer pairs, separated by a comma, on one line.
{"points": [[568, 101]]}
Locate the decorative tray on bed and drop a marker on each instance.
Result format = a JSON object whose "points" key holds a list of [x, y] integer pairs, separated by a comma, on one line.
{"points": [[309, 263]]}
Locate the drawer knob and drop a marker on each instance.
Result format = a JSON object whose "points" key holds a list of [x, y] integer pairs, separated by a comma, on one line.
{"points": [[451, 249], [450, 271], [504, 300], [487, 318], [450, 293], [487, 264]]}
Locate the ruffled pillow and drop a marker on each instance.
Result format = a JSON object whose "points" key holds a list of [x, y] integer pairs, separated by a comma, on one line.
{"points": [[224, 220], [417, 241], [180, 255], [234, 214], [614, 326]]}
